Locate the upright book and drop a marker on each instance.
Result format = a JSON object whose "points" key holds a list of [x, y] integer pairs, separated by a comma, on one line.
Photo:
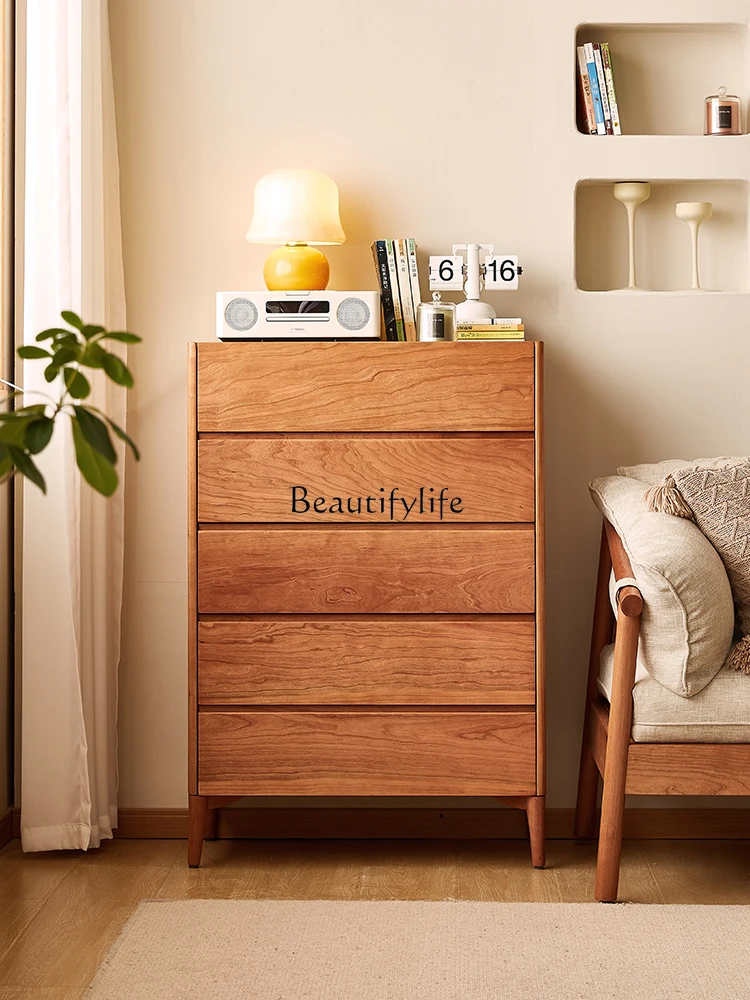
{"points": [[380, 256], [587, 117], [390, 249], [404, 286], [601, 128]]}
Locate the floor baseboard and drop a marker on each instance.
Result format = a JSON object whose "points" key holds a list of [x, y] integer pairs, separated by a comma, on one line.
{"points": [[470, 824]]}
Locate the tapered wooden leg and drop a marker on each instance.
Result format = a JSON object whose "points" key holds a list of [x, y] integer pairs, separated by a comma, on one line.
{"points": [[197, 815], [616, 762], [535, 818], [588, 787], [601, 634]]}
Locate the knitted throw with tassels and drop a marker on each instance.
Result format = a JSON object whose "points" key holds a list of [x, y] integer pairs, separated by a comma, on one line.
{"points": [[717, 498]]}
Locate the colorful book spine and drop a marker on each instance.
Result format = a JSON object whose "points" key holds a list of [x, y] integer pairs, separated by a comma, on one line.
{"points": [[601, 128], [404, 285], [610, 77], [602, 81], [416, 294], [380, 256], [490, 327], [588, 116], [393, 275]]}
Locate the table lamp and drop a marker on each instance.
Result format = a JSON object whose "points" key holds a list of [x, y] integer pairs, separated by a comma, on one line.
{"points": [[296, 208]]}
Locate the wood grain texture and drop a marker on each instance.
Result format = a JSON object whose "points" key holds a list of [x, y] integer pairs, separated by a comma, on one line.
{"points": [[339, 570], [540, 576], [688, 769], [365, 387], [342, 661], [366, 753], [252, 479], [192, 559]]}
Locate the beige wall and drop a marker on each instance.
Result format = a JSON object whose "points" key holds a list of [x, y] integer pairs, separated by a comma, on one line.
{"points": [[446, 121]]}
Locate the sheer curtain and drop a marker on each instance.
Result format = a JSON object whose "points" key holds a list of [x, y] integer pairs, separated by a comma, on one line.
{"points": [[72, 539]]}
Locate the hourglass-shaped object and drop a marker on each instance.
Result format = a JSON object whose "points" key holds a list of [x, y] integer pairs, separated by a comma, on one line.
{"points": [[632, 194], [694, 213]]}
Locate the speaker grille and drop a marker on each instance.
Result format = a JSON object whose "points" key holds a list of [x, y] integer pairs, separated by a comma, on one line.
{"points": [[241, 315], [353, 314]]}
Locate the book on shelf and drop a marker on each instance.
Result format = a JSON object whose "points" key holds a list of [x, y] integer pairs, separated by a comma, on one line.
{"points": [[601, 128], [586, 114], [404, 289], [598, 112], [398, 275], [497, 329], [610, 80], [380, 256]]}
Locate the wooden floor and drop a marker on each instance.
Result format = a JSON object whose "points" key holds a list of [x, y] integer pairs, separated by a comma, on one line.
{"points": [[60, 912]]}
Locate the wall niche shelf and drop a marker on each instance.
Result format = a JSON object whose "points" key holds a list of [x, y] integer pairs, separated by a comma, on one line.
{"points": [[664, 72], [663, 249]]}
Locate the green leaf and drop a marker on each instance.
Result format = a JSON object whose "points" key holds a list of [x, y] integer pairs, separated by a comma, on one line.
{"points": [[96, 433], [77, 383], [64, 356], [93, 356], [38, 435], [25, 465], [96, 470], [90, 331], [72, 318], [51, 372], [29, 353], [13, 429], [123, 337], [117, 371], [124, 437], [53, 331]]}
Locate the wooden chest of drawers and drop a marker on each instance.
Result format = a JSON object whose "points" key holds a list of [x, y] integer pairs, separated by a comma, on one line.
{"points": [[366, 573]]}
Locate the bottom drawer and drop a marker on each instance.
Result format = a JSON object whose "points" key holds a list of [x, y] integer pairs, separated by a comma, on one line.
{"points": [[366, 752]]}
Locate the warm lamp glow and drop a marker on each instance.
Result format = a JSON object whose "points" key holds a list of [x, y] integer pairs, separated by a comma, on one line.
{"points": [[296, 206]]}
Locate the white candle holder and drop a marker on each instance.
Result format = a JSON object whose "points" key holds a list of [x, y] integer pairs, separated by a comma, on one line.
{"points": [[695, 213], [631, 194]]}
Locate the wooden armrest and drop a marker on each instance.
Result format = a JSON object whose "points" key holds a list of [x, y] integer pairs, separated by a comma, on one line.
{"points": [[630, 599]]}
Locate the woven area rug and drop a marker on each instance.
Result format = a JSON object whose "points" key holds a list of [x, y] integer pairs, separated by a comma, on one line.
{"points": [[269, 950]]}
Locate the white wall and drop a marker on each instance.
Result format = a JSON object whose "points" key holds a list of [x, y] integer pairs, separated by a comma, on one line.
{"points": [[449, 122]]}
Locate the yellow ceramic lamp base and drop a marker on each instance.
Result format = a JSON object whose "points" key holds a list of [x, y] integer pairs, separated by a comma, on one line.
{"points": [[296, 267]]}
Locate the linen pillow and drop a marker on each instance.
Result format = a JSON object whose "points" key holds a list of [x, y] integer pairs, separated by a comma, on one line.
{"points": [[717, 498], [655, 473], [688, 617]]}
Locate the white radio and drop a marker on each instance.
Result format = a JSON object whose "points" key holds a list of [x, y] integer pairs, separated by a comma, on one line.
{"points": [[298, 315]]}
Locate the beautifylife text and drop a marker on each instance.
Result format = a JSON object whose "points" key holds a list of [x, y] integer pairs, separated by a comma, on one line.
{"points": [[391, 504]]}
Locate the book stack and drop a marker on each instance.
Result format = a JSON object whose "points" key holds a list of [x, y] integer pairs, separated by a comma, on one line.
{"points": [[499, 328], [598, 113], [398, 274]]}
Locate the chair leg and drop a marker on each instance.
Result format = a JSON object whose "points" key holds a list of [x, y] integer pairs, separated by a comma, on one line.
{"points": [[601, 634], [616, 762], [535, 819], [588, 787], [197, 814]]}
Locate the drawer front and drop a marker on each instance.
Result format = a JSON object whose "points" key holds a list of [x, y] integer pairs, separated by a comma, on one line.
{"points": [[365, 387], [366, 753], [384, 661], [340, 479], [366, 570]]}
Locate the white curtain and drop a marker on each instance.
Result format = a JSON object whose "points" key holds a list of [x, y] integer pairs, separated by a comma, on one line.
{"points": [[72, 539]]}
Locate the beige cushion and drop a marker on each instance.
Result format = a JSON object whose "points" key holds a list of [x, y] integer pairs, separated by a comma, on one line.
{"points": [[688, 616], [719, 499], [720, 713], [654, 473]]}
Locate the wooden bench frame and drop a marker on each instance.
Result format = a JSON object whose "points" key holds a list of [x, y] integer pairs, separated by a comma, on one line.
{"points": [[608, 749]]}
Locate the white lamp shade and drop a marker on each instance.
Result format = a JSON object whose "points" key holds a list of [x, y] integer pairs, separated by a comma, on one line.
{"points": [[296, 206]]}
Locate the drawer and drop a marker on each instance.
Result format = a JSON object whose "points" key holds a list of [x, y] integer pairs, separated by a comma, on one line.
{"points": [[365, 387], [339, 479], [366, 753], [459, 570], [380, 661]]}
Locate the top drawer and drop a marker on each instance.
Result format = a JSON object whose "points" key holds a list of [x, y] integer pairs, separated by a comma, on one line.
{"points": [[365, 387]]}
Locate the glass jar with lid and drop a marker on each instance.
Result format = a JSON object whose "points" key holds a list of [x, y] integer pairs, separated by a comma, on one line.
{"points": [[723, 114]]}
